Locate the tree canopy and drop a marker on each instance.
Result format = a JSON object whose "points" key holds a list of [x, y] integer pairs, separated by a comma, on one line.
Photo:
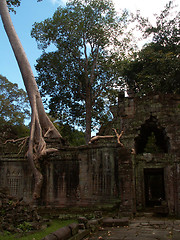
{"points": [[15, 3], [156, 68], [76, 75], [71, 136], [14, 110]]}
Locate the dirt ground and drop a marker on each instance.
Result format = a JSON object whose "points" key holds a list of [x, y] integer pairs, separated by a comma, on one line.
{"points": [[141, 228]]}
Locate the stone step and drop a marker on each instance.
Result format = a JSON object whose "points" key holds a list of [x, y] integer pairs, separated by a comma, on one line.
{"points": [[114, 222]]}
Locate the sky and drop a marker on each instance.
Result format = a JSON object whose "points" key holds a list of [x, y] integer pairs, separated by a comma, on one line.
{"points": [[32, 11]]}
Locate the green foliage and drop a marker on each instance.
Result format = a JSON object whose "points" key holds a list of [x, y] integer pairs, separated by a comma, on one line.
{"points": [[78, 73], [156, 68], [14, 109], [71, 136], [151, 146], [25, 227], [55, 225], [10, 202], [74, 137], [15, 3], [14, 103], [3, 212]]}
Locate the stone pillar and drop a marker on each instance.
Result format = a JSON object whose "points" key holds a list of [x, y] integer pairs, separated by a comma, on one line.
{"points": [[50, 183], [126, 183]]}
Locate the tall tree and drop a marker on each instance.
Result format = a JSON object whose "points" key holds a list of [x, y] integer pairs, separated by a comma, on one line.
{"points": [[156, 68], [41, 126], [76, 76]]}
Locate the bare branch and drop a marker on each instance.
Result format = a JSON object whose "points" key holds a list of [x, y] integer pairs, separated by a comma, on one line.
{"points": [[51, 150], [96, 138], [93, 139], [118, 136]]}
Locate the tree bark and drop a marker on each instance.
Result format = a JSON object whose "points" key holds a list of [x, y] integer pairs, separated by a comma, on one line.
{"points": [[88, 113], [40, 123]]}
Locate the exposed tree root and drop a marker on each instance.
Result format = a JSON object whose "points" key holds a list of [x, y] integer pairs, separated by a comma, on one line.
{"points": [[22, 143], [37, 148], [16, 140]]}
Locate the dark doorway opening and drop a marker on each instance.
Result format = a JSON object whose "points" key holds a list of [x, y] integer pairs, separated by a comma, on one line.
{"points": [[154, 186]]}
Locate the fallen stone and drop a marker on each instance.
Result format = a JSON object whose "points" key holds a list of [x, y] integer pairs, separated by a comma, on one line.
{"points": [[114, 222], [74, 227], [51, 236], [81, 226], [81, 235], [93, 224], [63, 233], [83, 220]]}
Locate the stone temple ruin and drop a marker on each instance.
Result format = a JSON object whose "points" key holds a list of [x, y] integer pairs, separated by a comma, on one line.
{"points": [[144, 173]]}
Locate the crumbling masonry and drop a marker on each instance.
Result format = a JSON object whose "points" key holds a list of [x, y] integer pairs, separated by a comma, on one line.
{"points": [[143, 173]]}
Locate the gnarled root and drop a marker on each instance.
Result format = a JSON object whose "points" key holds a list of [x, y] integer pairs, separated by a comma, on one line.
{"points": [[22, 141], [37, 149]]}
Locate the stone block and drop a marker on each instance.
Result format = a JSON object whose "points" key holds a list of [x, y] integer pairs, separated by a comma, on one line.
{"points": [[81, 226], [83, 220], [74, 228], [93, 224], [51, 236], [81, 235], [63, 233], [114, 222]]}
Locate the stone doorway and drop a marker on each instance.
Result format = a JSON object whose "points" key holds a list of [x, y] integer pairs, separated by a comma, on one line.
{"points": [[154, 186]]}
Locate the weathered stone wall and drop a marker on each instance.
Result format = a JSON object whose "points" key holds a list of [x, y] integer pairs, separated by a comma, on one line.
{"points": [[90, 175], [96, 174], [138, 117], [15, 172], [104, 172]]}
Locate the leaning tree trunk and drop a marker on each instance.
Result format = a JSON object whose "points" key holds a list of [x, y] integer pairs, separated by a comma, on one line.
{"points": [[41, 126]]}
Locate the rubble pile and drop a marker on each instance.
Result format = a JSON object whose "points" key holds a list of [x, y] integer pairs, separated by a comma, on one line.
{"points": [[16, 216]]}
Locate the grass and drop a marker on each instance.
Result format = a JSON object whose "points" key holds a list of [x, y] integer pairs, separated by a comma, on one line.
{"points": [[56, 224]]}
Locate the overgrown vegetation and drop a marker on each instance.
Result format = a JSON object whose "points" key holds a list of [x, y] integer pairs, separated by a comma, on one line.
{"points": [[156, 67], [55, 224], [151, 146], [14, 110]]}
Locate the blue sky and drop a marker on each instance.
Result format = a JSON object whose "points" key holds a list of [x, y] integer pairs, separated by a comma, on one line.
{"points": [[30, 11]]}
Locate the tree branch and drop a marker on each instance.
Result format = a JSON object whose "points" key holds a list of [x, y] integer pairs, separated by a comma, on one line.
{"points": [[93, 139], [96, 138], [118, 136]]}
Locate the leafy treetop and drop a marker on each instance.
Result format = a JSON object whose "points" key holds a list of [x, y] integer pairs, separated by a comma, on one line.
{"points": [[14, 109], [156, 68], [77, 75]]}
